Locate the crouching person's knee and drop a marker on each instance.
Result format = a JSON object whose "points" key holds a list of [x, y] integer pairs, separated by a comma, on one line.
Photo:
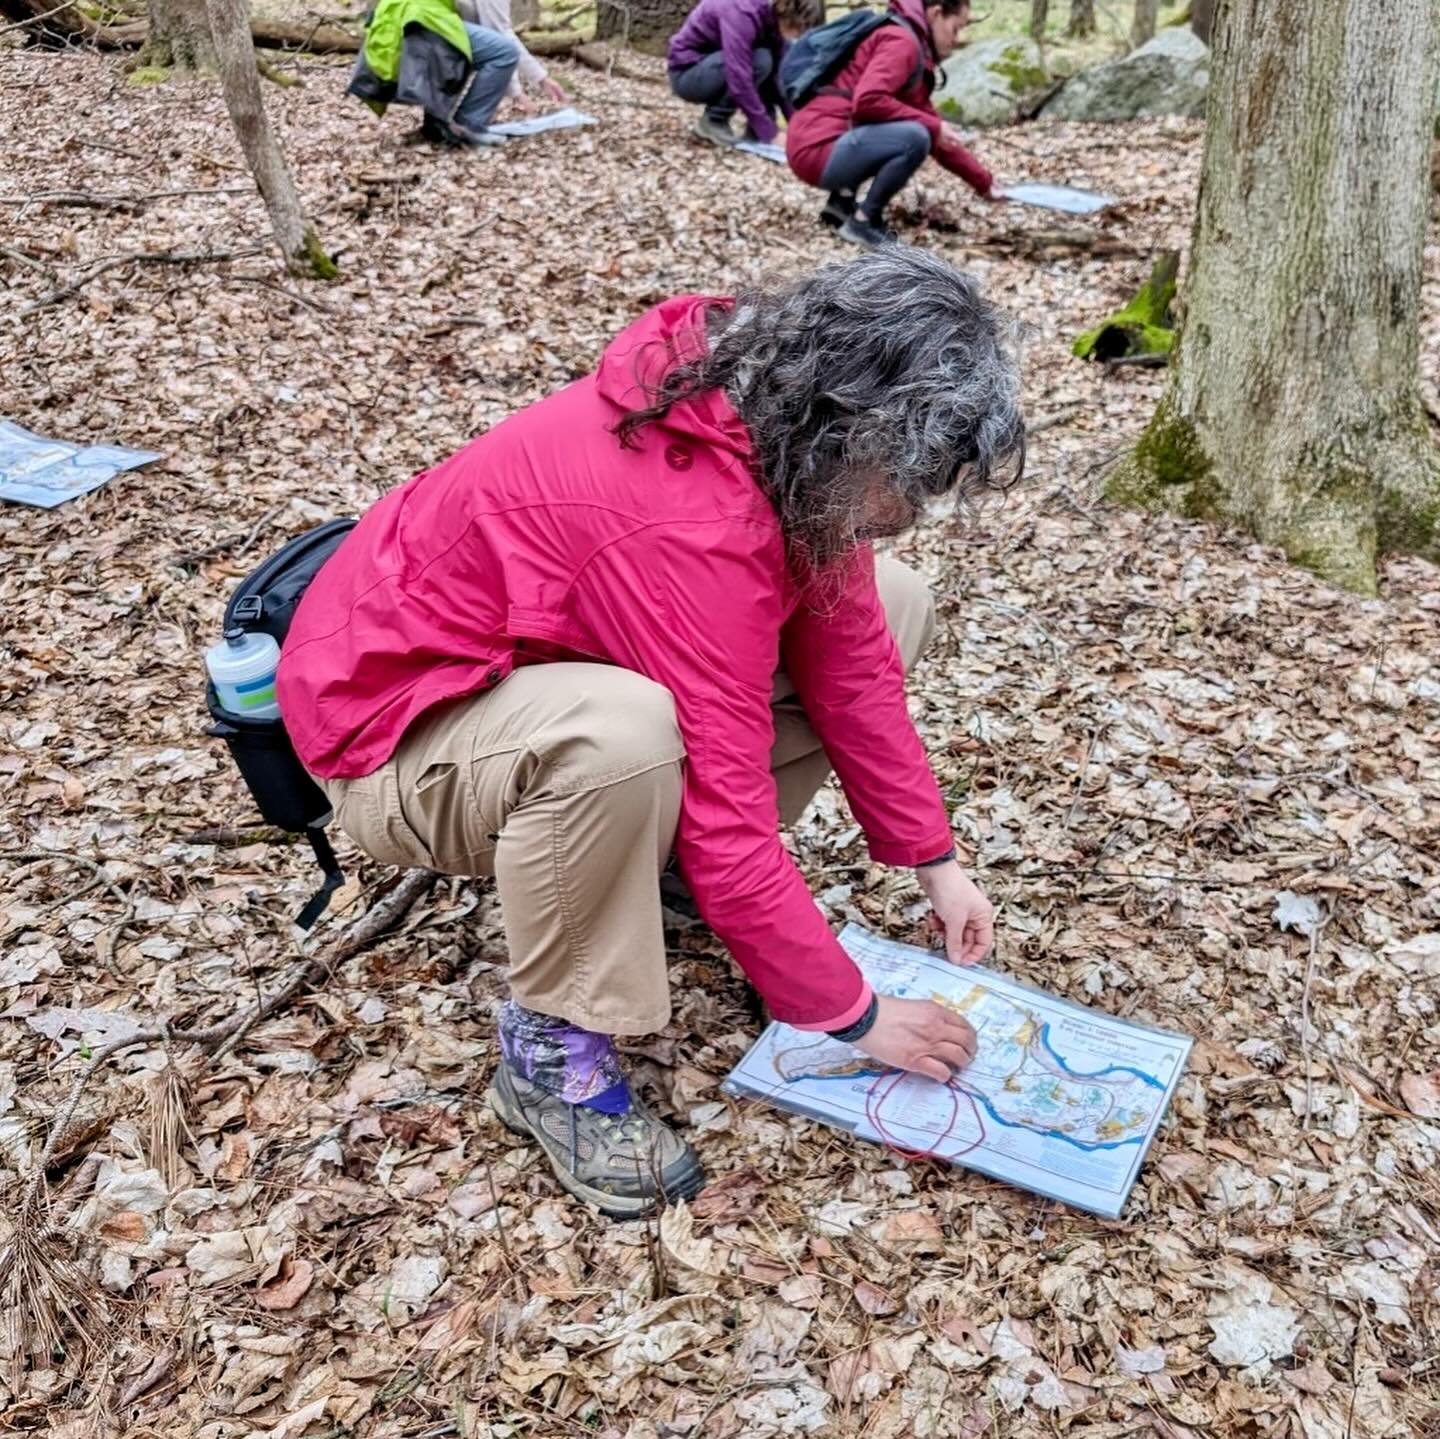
{"points": [[620, 726], [917, 141], [909, 607]]}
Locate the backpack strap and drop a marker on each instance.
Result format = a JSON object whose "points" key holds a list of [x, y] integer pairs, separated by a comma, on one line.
{"points": [[325, 857]]}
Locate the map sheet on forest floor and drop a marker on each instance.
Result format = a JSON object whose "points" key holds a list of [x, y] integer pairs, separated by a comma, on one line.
{"points": [[37, 471], [1061, 1100], [567, 119], [1064, 198]]}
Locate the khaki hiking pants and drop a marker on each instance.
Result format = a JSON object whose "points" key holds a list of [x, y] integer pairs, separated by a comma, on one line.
{"points": [[563, 783]]}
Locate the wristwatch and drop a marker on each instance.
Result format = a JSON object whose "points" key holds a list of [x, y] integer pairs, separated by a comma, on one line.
{"points": [[861, 1027]]}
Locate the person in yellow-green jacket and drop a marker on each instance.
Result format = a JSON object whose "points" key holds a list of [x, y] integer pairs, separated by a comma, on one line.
{"points": [[422, 52]]}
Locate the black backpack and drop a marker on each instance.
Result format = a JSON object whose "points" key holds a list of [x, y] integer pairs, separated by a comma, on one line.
{"points": [[265, 602], [820, 54]]}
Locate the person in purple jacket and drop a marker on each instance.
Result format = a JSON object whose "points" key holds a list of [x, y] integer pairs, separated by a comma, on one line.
{"points": [[726, 56]]}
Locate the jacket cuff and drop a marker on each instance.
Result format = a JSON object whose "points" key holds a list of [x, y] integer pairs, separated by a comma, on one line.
{"points": [[845, 1018], [884, 851]]}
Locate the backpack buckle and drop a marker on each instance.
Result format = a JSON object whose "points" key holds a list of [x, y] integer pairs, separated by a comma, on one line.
{"points": [[249, 610]]}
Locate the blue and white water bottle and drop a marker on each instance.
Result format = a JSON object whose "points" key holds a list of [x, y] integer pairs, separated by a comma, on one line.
{"points": [[242, 669]]}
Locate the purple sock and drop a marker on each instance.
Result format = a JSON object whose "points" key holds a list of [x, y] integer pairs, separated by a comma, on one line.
{"points": [[574, 1064]]}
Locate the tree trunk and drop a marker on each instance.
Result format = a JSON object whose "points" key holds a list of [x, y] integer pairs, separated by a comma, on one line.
{"points": [[1202, 17], [1142, 26], [642, 24], [177, 37], [1082, 19], [1039, 15], [1293, 410], [240, 81], [524, 13]]}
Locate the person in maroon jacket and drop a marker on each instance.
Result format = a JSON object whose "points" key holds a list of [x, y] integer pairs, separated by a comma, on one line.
{"points": [[874, 121]]}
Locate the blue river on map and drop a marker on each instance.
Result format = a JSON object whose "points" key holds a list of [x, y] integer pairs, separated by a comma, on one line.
{"points": [[1088, 1146]]}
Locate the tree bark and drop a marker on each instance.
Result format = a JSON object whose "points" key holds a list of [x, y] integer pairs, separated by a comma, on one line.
{"points": [[1202, 18], [1082, 19], [1293, 410], [1039, 15], [240, 81], [177, 37], [1142, 25], [642, 24]]}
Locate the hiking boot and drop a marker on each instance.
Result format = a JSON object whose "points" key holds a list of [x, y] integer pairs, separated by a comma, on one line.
{"points": [[623, 1164], [714, 131], [863, 232], [837, 209], [438, 132]]}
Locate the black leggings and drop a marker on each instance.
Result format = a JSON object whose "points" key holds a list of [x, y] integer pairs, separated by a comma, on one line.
{"points": [[887, 155]]}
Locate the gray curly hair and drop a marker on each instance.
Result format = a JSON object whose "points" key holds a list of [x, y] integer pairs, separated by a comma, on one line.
{"points": [[869, 388]]}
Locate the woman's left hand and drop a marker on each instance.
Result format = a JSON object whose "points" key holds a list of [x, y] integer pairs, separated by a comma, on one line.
{"points": [[553, 91], [961, 912]]}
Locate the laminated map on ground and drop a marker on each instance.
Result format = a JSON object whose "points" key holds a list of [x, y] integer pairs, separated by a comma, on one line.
{"points": [[774, 153], [37, 471], [566, 119], [1057, 197], [1061, 1099]]}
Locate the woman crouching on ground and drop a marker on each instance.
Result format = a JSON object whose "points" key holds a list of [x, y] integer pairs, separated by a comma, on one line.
{"points": [[643, 617]]}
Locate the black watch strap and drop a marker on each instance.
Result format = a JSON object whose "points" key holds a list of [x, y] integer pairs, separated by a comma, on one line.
{"points": [[861, 1027]]}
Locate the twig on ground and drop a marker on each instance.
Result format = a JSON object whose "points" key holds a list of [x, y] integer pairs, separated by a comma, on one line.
{"points": [[230, 546], [140, 257], [382, 916], [107, 145], [1315, 934], [290, 295], [1147, 362], [1041, 423], [21, 258]]}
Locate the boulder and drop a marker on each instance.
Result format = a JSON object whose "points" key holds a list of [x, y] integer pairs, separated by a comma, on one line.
{"points": [[993, 81], [1168, 76]]}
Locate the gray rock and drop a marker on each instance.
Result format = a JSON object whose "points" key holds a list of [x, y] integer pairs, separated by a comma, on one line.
{"points": [[990, 82], [1169, 76]]}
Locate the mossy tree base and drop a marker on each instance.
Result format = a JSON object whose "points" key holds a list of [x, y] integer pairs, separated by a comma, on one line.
{"points": [[1293, 409], [1333, 508]]}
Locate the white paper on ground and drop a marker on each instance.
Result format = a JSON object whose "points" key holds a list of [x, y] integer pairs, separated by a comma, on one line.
{"points": [[37, 471], [1057, 197], [566, 119], [1061, 1100], [764, 151]]}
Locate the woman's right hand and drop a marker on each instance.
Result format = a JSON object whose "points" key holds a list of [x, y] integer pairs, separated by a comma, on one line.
{"points": [[921, 1036]]}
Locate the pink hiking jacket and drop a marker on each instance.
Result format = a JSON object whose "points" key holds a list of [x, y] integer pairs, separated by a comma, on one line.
{"points": [[544, 539]]}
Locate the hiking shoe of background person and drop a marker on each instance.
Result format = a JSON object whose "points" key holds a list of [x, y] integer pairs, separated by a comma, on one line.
{"points": [[623, 1164], [438, 132], [863, 232], [712, 130], [837, 209]]}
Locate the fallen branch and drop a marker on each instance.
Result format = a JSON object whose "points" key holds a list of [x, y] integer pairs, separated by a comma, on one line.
{"points": [[599, 56], [21, 258], [381, 917], [551, 43], [1145, 362], [141, 257]]}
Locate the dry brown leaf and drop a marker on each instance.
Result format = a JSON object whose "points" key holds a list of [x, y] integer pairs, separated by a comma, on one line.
{"points": [[288, 1286], [874, 1300], [1422, 1093]]}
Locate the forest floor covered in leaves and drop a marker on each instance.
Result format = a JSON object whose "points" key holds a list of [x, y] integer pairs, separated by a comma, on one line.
{"points": [[1156, 738]]}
